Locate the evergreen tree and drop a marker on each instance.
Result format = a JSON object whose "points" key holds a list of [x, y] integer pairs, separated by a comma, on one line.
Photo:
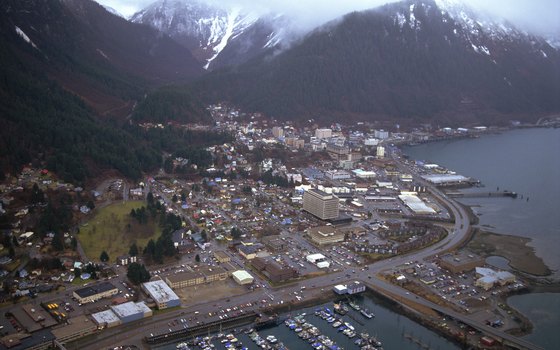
{"points": [[104, 257], [133, 251], [197, 258], [137, 273]]}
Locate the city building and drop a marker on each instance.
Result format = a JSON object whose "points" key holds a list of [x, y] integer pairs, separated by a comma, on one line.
{"points": [[221, 256], [380, 152], [488, 278], [74, 328], [325, 235], [274, 271], [277, 131], [322, 205], [355, 288], [340, 289], [460, 262], [381, 134], [337, 174], [364, 174], [185, 279], [323, 133], [338, 152], [95, 292], [162, 295], [106, 319], [242, 277], [205, 274], [131, 311], [416, 204], [126, 260]]}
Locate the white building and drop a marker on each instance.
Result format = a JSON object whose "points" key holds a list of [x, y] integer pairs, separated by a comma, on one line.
{"points": [[162, 294], [323, 133], [242, 277], [363, 174], [380, 152], [381, 134], [337, 174]]}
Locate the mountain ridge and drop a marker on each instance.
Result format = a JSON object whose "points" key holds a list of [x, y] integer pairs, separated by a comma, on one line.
{"points": [[411, 60]]}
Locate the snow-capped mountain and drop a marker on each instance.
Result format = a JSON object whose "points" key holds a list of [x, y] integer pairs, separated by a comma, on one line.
{"points": [[211, 31], [410, 59]]}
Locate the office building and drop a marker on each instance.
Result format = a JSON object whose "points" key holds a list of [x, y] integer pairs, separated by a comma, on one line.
{"points": [[321, 204]]}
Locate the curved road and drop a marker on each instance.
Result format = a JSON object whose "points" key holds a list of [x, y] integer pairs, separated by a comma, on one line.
{"points": [[135, 332]]}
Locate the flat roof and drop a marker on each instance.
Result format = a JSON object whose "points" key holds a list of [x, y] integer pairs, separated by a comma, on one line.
{"points": [[130, 308], [416, 204], [445, 178], [74, 325], [160, 291], [183, 276], [107, 316], [94, 289], [242, 274]]}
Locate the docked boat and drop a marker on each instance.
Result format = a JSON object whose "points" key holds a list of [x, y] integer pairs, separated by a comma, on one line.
{"points": [[366, 313], [354, 306], [340, 308], [183, 346]]}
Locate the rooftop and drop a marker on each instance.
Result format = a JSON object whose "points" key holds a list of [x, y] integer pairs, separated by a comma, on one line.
{"points": [[130, 308], [94, 289], [107, 316], [160, 291]]}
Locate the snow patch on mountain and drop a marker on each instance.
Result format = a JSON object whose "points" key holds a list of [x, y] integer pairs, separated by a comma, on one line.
{"points": [[24, 36]]}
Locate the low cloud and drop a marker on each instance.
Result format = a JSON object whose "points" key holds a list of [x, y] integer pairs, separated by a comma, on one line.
{"points": [[542, 16]]}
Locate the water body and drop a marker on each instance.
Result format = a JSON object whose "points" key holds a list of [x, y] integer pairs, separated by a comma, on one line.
{"points": [[544, 311], [527, 162], [388, 326]]}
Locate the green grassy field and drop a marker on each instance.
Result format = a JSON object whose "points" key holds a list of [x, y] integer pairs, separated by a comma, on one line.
{"points": [[113, 230]]}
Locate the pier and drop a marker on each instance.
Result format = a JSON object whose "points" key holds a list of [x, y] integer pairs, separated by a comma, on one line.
{"points": [[510, 194]]}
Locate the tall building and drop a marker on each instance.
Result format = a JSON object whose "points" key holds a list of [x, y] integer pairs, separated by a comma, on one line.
{"points": [[381, 134], [323, 133], [380, 152], [321, 204]]}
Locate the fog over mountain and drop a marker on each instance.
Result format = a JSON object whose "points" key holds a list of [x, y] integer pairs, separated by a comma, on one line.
{"points": [[541, 17]]}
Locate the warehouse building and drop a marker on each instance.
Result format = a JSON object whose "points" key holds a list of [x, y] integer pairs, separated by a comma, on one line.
{"points": [[131, 311], [416, 204], [162, 295], [106, 319], [95, 292], [460, 262], [242, 277]]}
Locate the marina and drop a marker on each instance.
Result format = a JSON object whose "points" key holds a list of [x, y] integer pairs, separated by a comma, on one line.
{"points": [[321, 328]]}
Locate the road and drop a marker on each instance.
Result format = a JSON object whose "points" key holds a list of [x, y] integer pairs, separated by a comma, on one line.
{"points": [[133, 334]]}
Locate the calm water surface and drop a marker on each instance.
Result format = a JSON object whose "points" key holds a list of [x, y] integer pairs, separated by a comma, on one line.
{"points": [[527, 162]]}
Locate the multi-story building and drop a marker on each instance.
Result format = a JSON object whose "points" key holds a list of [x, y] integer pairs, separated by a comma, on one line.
{"points": [[323, 133], [322, 205], [277, 131], [161, 294]]}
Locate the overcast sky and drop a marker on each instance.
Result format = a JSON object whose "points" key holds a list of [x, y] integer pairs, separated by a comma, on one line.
{"points": [[537, 15]]}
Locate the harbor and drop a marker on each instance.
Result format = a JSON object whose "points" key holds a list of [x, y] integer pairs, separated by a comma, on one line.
{"points": [[320, 327]]}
